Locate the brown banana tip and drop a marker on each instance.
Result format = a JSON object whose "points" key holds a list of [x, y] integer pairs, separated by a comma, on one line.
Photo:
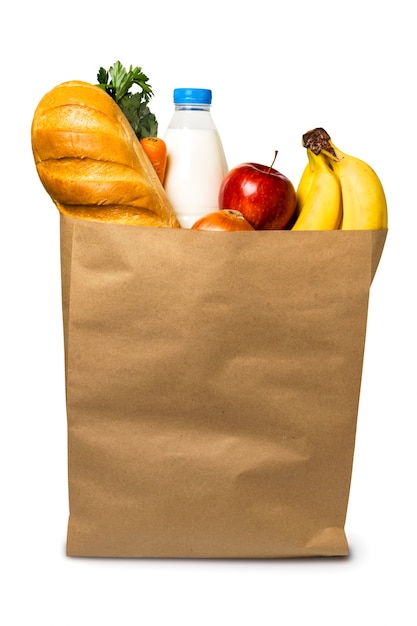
{"points": [[317, 140]]}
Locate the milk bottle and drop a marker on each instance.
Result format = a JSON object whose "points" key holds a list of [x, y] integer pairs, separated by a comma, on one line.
{"points": [[196, 163]]}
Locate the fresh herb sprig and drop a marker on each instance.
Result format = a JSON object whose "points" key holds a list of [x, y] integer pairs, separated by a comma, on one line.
{"points": [[118, 82]]}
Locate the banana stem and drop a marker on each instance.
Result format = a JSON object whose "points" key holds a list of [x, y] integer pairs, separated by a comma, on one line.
{"points": [[317, 140]]}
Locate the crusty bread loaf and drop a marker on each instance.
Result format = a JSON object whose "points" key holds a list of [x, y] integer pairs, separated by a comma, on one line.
{"points": [[90, 161]]}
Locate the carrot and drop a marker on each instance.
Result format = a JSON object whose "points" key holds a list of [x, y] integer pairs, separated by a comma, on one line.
{"points": [[156, 150]]}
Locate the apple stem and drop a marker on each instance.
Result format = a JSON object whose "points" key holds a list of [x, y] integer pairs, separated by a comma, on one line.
{"points": [[272, 164]]}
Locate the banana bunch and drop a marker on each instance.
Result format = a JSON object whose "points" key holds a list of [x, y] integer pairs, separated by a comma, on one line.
{"points": [[337, 191]]}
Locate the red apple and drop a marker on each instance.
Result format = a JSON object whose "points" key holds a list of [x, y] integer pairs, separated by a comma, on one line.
{"points": [[265, 197]]}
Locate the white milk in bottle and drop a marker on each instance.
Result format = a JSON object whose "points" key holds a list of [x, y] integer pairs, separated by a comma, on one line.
{"points": [[196, 163]]}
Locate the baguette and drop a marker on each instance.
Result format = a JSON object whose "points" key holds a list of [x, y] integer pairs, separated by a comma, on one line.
{"points": [[90, 161]]}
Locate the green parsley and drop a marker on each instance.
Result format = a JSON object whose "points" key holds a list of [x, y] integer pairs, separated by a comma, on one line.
{"points": [[118, 83]]}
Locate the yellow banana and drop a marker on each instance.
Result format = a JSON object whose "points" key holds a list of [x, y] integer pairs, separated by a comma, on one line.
{"points": [[322, 207], [363, 196], [304, 186], [364, 202]]}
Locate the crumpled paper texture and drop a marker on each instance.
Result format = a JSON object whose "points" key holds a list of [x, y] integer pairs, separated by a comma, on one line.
{"points": [[212, 384]]}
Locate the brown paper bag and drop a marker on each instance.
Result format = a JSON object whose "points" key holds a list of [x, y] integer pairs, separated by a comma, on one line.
{"points": [[212, 388]]}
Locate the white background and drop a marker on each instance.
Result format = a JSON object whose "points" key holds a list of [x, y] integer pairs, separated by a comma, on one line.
{"points": [[276, 69]]}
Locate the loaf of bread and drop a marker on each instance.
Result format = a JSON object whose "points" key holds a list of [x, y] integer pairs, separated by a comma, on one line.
{"points": [[90, 161]]}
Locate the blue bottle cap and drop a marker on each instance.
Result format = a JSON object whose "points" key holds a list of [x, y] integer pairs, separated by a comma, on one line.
{"points": [[192, 96]]}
